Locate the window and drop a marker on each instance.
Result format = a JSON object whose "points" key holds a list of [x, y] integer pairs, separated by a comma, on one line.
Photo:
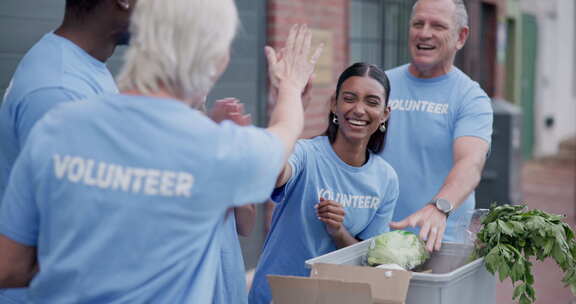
{"points": [[379, 31]]}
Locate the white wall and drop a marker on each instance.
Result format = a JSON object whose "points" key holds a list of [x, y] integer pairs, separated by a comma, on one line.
{"points": [[566, 52], [555, 78]]}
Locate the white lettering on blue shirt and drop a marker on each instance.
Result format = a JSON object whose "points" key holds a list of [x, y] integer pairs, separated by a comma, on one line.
{"points": [[350, 200], [419, 105], [103, 175]]}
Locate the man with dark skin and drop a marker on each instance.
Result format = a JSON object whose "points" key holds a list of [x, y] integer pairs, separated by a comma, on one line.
{"points": [[97, 26], [65, 65]]}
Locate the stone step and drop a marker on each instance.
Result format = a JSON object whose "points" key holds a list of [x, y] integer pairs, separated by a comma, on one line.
{"points": [[567, 149], [568, 144]]}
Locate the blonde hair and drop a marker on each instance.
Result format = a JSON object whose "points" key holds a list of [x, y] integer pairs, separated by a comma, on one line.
{"points": [[178, 46]]}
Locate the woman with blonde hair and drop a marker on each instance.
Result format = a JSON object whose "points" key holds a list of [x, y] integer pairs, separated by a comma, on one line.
{"points": [[119, 199]]}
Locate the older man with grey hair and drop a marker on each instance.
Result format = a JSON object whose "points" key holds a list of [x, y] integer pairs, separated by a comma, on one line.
{"points": [[440, 127], [119, 199]]}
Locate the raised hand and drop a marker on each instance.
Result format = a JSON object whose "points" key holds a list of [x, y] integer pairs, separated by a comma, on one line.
{"points": [[306, 94], [293, 66]]}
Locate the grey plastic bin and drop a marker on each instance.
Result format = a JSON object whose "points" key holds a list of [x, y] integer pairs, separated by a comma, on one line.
{"points": [[452, 280]]}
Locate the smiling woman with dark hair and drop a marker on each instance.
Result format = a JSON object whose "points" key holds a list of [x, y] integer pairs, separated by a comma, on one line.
{"points": [[335, 190], [377, 140]]}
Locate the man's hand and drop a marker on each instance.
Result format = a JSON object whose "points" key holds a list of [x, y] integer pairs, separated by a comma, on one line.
{"points": [[432, 223], [332, 214], [230, 109]]}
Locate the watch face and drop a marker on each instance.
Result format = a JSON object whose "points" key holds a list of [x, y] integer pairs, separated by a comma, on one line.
{"points": [[443, 205]]}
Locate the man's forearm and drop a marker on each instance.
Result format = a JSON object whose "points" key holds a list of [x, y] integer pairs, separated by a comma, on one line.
{"points": [[18, 263], [469, 158], [17, 280], [461, 181], [15, 274]]}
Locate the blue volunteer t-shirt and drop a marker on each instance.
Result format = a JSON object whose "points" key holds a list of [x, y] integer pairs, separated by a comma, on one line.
{"points": [[53, 71], [124, 196], [368, 195], [427, 116], [231, 281]]}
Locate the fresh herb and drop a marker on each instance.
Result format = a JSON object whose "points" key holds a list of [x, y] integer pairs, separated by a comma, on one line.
{"points": [[511, 235]]}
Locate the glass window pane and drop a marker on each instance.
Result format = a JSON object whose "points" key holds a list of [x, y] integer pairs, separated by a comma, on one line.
{"points": [[372, 53], [379, 31], [372, 20], [355, 19], [355, 52]]}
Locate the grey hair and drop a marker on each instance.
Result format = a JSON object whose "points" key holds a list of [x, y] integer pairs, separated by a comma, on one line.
{"points": [[178, 46], [460, 13]]}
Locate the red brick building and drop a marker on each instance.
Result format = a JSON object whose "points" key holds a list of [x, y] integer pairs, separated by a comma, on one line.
{"points": [[328, 19]]}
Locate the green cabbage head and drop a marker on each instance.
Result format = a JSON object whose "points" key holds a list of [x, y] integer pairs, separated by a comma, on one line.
{"points": [[397, 247]]}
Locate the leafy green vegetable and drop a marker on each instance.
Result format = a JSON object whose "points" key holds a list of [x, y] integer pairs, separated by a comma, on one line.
{"points": [[397, 247], [511, 235]]}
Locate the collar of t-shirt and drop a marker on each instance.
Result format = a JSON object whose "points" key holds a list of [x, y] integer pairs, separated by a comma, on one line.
{"points": [[339, 162]]}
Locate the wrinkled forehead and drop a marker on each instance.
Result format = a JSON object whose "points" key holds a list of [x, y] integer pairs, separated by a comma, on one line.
{"points": [[438, 10]]}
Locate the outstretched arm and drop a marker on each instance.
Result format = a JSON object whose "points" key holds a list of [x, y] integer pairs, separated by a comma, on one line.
{"points": [[291, 72], [469, 158]]}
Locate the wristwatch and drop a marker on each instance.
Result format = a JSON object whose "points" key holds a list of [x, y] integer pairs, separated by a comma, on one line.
{"points": [[443, 205]]}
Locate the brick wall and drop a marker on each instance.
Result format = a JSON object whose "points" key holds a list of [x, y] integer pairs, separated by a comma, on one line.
{"points": [[325, 15]]}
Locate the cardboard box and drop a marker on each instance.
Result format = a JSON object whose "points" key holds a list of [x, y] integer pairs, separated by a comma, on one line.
{"points": [[342, 284]]}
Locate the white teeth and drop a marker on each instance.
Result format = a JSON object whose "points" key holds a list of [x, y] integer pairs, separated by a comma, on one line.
{"points": [[357, 122], [425, 47]]}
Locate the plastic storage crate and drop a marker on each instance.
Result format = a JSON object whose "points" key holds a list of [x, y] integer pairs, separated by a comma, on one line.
{"points": [[452, 280]]}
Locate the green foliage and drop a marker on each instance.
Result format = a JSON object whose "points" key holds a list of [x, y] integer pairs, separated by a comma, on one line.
{"points": [[511, 235]]}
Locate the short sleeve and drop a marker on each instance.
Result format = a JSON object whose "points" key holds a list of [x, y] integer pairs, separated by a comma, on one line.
{"points": [[383, 217], [253, 158], [297, 159], [18, 211], [296, 162], [34, 105], [475, 116]]}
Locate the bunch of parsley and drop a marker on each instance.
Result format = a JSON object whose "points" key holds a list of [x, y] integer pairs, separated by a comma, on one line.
{"points": [[511, 235]]}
